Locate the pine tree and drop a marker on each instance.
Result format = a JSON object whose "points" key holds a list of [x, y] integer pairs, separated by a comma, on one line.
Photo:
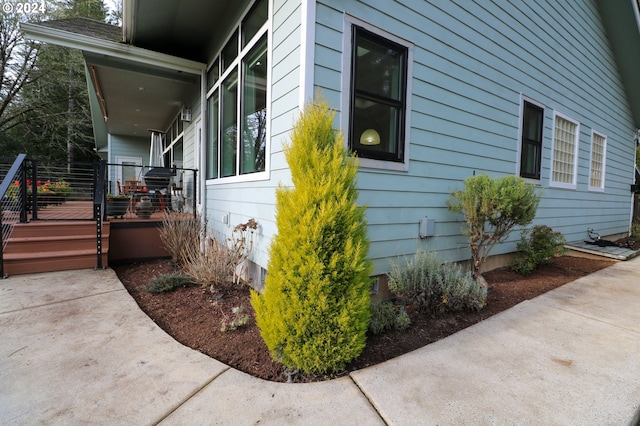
{"points": [[314, 310]]}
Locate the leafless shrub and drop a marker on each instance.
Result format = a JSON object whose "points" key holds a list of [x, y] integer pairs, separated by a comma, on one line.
{"points": [[181, 235], [218, 262]]}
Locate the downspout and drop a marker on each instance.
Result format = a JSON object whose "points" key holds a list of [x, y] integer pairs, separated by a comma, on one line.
{"points": [[202, 185], [127, 21], [636, 142], [307, 51]]}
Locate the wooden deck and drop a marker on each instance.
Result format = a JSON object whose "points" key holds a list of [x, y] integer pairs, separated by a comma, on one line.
{"points": [[83, 210]]}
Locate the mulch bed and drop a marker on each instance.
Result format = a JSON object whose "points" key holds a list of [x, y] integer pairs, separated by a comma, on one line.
{"points": [[194, 316]]}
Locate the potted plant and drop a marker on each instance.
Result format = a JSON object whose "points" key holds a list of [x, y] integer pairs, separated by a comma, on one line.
{"points": [[144, 207], [117, 205]]}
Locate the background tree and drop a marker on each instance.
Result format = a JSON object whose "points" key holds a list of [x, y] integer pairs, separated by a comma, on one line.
{"points": [[50, 114], [17, 61], [314, 310]]}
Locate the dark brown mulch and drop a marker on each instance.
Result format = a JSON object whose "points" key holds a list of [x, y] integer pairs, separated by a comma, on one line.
{"points": [[194, 316]]}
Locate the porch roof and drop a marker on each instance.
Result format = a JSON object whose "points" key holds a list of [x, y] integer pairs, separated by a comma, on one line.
{"points": [[131, 89]]}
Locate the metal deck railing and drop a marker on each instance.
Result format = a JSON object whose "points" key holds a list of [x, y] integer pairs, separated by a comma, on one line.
{"points": [[32, 190]]}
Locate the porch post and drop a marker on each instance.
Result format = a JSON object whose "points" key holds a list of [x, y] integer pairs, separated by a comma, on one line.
{"points": [[195, 194]]}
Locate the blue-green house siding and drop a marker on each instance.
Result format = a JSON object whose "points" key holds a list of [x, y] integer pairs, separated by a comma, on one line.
{"points": [[472, 63]]}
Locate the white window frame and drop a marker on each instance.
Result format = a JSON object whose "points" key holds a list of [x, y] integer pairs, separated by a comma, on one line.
{"points": [[347, 44], [523, 99], [266, 29], [599, 188], [573, 183]]}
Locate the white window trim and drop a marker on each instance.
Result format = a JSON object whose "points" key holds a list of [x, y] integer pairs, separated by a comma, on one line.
{"points": [[604, 161], [573, 184], [524, 98], [347, 43], [268, 27], [307, 52]]}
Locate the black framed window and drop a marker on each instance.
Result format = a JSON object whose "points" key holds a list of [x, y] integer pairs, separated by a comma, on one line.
{"points": [[531, 142], [378, 96]]}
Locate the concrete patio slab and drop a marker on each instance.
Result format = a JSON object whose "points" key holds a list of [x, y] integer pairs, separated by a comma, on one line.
{"points": [[236, 398], [44, 289], [96, 359], [76, 349], [611, 295], [532, 363], [612, 252]]}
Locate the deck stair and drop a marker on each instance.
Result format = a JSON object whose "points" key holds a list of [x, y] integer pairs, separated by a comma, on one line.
{"points": [[48, 246]]}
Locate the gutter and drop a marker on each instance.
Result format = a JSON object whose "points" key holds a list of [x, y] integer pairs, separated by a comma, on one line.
{"points": [[111, 49]]}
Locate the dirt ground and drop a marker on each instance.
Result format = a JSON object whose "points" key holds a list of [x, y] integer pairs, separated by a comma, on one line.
{"points": [[194, 316]]}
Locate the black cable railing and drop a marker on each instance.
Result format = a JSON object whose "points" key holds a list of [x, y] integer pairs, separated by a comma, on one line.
{"points": [[33, 190], [13, 195], [168, 188]]}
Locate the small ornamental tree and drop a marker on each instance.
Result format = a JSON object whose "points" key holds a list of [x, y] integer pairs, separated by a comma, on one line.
{"points": [[491, 208], [314, 310]]}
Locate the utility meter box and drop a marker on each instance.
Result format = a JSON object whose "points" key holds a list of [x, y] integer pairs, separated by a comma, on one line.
{"points": [[427, 227]]}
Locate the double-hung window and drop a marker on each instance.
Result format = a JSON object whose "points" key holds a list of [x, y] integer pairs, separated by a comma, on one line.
{"points": [[597, 166], [531, 140], [564, 160], [378, 97], [237, 113]]}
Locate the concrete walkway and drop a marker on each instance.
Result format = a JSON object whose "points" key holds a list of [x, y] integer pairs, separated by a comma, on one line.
{"points": [[76, 350]]}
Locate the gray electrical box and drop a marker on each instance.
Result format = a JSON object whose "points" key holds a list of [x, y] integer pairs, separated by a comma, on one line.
{"points": [[427, 227]]}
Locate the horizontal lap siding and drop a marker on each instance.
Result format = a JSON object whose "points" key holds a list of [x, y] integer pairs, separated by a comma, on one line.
{"points": [[189, 139], [256, 199], [129, 146], [472, 61]]}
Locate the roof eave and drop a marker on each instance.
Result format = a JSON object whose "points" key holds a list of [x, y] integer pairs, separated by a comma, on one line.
{"points": [[109, 48]]}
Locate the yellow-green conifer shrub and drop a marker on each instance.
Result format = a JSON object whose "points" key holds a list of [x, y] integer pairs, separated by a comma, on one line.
{"points": [[314, 310]]}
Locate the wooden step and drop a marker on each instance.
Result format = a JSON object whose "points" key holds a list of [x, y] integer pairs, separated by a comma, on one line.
{"points": [[56, 228], [22, 263], [54, 246], [56, 243]]}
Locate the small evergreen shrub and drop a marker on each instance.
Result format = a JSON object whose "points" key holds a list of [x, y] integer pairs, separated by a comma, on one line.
{"points": [[387, 316], [314, 310], [635, 230], [168, 283], [434, 286], [236, 320], [491, 208], [536, 247]]}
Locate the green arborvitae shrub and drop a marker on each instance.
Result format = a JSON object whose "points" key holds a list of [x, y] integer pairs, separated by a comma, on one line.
{"points": [[387, 316], [491, 208], [434, 286], [536, 247], [314, 310], [168, 283]]}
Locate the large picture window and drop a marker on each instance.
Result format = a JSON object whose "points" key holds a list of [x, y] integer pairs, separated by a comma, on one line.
{"points": [[531, 140], [237, 100], [378, 99], [564, 164]]}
